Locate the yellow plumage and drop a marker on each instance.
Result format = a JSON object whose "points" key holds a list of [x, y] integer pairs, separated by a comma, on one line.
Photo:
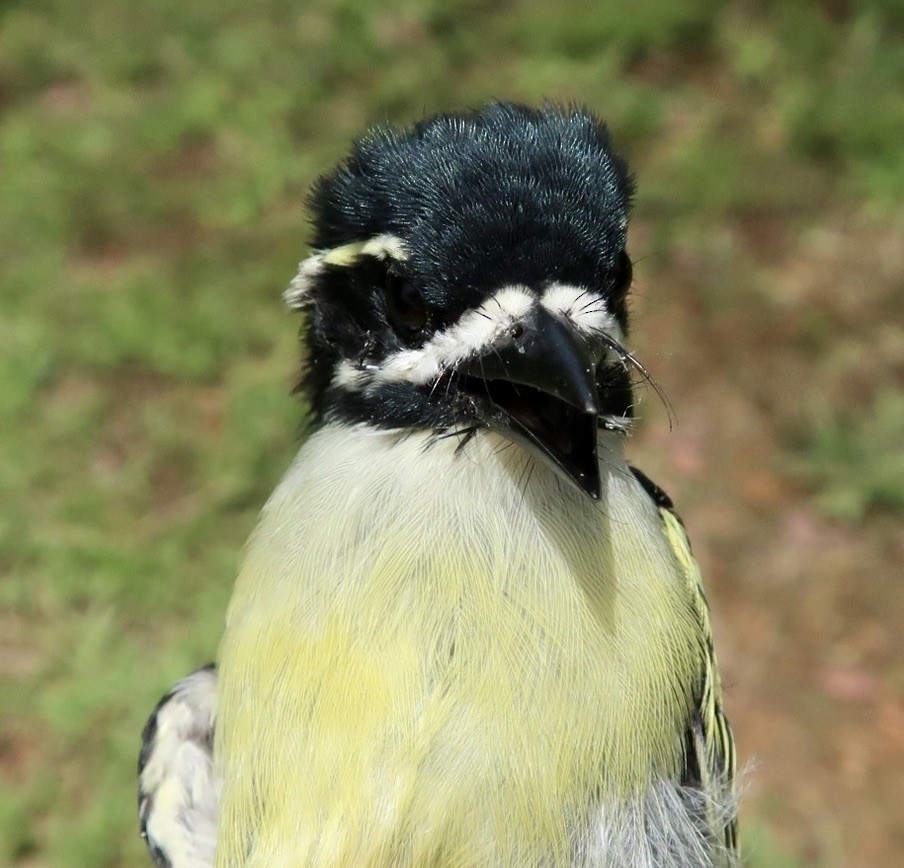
{"points": [[440, 674]]}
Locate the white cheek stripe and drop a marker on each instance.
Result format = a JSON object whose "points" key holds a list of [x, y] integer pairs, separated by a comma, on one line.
{"points": [[477, 331], [584, 309], [383, 246], [296, 296]]}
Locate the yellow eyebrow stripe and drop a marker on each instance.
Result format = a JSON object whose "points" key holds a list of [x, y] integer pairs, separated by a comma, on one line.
{"points": [[381, 246]]}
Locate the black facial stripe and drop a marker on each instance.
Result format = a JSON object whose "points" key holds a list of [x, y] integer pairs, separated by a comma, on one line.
{"points": [[396, 405], [352, 296], [445, 405], [615, 390]]}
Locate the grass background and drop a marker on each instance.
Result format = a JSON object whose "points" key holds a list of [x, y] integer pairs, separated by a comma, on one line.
{"points": [[153, 164]]}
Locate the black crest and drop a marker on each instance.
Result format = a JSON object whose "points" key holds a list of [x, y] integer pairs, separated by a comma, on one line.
{"points": [[481, 199]]}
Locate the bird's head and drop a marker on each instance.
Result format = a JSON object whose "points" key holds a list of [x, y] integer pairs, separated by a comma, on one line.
{"points": [[471, 273]]}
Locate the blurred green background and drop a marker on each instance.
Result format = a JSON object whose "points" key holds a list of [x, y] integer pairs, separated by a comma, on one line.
{"points": [[154, 159]]}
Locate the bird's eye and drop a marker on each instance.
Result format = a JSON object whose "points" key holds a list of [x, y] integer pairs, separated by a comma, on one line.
{"points": [[405, 306], [622, 274]]}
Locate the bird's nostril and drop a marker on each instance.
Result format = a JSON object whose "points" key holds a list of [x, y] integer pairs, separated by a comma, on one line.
{"points": [[517, 330]]}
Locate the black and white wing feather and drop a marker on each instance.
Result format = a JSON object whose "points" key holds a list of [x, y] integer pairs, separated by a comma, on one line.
{"points": [[709, 750], [178, 795]]}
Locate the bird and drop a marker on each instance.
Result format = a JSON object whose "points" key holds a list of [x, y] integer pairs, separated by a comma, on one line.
{"points": [[466, 630]]}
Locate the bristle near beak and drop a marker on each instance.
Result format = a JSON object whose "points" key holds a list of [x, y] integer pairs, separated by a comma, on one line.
{"points": [[539, 388]]}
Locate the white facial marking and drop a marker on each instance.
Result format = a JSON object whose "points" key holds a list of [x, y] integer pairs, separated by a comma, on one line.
{"points": [[476, 331], [299, 289], [347, 376], [383, 246], [585, 309]]}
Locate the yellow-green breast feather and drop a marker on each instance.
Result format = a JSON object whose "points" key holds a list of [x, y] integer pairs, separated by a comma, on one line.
{"points": [[444, 674]]}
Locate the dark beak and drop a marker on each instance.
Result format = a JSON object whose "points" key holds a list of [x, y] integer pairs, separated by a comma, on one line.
{"points": [[538, 388]]}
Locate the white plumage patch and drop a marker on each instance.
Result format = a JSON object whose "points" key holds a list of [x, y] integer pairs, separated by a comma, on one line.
{"points": [[178, 793], [584, 309], [383, 246], [473, 334], [478, 330], [662, 829]]}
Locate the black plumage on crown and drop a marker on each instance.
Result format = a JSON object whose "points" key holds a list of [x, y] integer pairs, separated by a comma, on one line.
{"points": [[503, 195], [500, 196]]}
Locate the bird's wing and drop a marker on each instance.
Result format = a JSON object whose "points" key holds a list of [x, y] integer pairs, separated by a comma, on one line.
{"points": [[709, 750], [178, 794]]}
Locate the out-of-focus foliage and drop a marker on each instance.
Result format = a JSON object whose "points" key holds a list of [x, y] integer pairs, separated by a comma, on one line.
{"points": [[857, 459]]}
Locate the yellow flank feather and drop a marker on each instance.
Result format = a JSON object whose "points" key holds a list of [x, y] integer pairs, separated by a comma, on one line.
{"points": [[715, 744], [438, 668]]}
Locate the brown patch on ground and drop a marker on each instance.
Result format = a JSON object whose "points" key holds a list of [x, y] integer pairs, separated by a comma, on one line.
{"points": [[21, 753], [65, 98], [808, 612], [106, 242], [126, 401], [98, 260], [197, 156], [132, 390], [169, 469], [20, 654]]}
